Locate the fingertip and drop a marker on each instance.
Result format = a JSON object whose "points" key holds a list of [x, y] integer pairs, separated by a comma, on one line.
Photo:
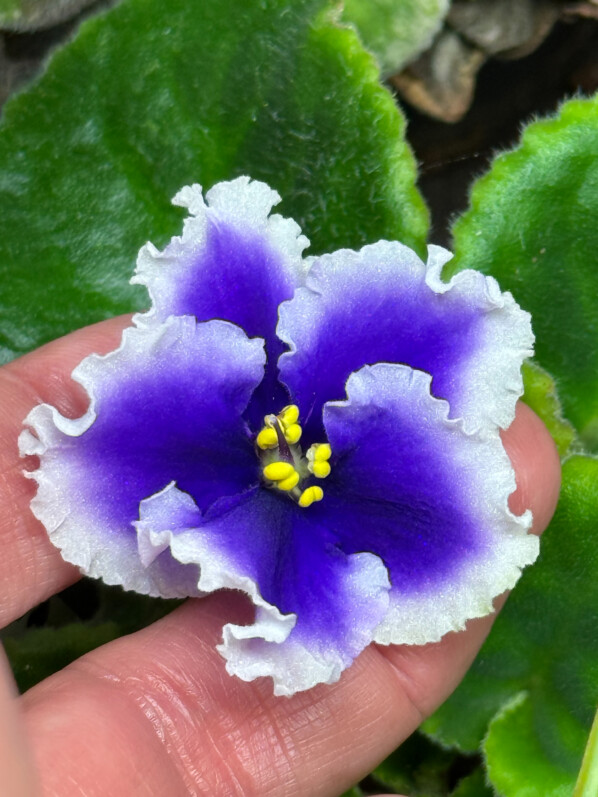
{"points": [[537, 466]]}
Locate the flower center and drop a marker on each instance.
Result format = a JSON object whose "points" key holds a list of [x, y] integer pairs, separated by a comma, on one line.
{"points": [[284, 465]]}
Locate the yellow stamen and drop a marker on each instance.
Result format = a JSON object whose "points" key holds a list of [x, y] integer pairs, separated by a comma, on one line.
{"points": [[293, 433], [279, 441], [289, 415], [288, 484], [320, 469], [267, 438], [278, 471], [310, 495], [317, 459], [322, 452]]}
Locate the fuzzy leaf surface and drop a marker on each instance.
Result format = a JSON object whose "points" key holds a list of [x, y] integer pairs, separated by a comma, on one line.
{"points": [[518, 764], [533, 224], [30, 15], [418, 767], [540, 394], [396, 32], [152, 96], [473, 785]]}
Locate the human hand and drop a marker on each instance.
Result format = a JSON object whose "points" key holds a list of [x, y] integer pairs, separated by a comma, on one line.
{"points": [[155, 713]]}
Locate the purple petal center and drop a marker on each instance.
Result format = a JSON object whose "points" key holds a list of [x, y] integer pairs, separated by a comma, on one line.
{"points": [[247, 282]]}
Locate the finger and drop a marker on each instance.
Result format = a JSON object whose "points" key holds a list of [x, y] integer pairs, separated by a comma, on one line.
{"points": [[160, 707], [16, 765], [31, 568]]}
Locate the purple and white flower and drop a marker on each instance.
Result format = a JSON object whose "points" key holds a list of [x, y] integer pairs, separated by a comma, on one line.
{"points": [[321, 433]]}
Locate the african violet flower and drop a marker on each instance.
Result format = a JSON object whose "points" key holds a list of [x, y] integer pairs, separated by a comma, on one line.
{"points": [[321, 434]]}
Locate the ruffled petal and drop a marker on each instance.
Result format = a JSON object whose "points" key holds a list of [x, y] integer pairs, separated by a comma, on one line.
{"points": [[409, 485], [382, 304], [316, 607], [234, 261], [166, 406]]}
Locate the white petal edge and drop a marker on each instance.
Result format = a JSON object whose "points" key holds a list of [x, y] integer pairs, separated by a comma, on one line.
{"points": [[427, 618], [492, 376], [263, 648], [79, 536], [494, 372], [216, 571], [244, 203], [292, 666]]}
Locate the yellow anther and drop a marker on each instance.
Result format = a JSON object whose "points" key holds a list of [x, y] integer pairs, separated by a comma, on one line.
{"points": [[292, 433], [309, 496], [267, 438], [317, 459], [289, 483], [318, 452], [320, 469], [289, 415], [322, 452], [278, 471]]}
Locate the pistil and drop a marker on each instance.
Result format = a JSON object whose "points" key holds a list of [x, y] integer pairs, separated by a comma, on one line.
{"points": [[276, 423]]}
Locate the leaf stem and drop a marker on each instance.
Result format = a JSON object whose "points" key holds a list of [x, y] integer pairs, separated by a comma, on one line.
{"points": [[587, 781]]}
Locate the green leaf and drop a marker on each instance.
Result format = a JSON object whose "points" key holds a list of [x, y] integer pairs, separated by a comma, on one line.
{"points": [[418, 767], [21, 15], [396, 31], [354, 792], [153, 96], [518, 764], [533, 224], [473, 785], [43, 651], [544, 644], [540, 394], [9, 10], [587, 780]]}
